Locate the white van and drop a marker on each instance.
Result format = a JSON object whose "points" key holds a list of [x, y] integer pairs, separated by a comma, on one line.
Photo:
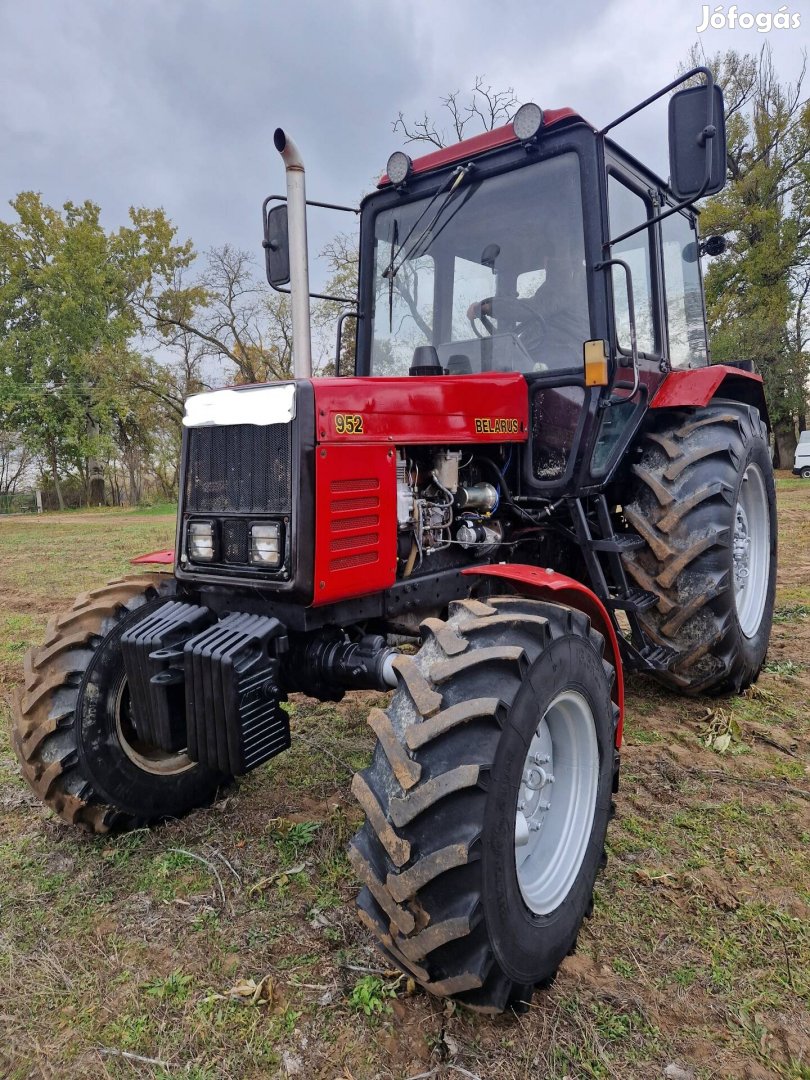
{"points": [[801, 463]]}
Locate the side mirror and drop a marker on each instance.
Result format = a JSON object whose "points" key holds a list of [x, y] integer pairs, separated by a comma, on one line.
{"points": [[697, 142], [277, 246], [489, 255], [713, 245]]}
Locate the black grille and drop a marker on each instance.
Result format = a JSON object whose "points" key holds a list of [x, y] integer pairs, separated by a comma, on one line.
{"points": [[234, 540], [240, 469]]}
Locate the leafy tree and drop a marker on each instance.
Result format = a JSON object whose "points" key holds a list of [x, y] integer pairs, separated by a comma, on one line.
{"points": [[69, 298], [234, 318], [756, 293]]}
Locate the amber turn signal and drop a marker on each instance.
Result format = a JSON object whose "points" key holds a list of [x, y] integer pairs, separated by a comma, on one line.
{"points": [[596, 363]]}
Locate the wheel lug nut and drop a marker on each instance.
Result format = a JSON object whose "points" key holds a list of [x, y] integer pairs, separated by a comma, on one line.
{"points": [[521, 805], [541, 759], [534, 826], [544, 806]]}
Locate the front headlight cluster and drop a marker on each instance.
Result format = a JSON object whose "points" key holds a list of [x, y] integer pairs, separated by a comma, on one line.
{"points": [[201, 541], [265, 543]]}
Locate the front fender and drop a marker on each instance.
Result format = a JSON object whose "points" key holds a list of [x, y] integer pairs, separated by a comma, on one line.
{"points": [[540, 584], [155, 558]]}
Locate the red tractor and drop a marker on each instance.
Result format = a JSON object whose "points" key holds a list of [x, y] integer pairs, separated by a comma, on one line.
{"points": [[533, 467]]}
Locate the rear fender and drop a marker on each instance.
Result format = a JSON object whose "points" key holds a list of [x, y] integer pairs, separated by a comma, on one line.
{"points": [[698, 387], [539, 584]]}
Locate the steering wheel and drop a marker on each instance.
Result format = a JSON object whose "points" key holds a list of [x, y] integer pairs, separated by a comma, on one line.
{"points": [[504, 306]]}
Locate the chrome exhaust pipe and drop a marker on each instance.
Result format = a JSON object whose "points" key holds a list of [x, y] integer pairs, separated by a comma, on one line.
{"points": [[299, 257]]}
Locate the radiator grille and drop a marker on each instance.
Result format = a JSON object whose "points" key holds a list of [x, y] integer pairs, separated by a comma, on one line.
{"points": [[239, 469]]}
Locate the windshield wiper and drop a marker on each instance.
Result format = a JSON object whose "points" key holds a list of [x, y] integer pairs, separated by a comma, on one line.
{"points": [[394, 238], [393, 269]]}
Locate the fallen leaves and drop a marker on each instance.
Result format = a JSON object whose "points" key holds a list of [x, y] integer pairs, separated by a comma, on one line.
{"points": [[704, 882], [250, 992], [280, 878], [721, 730]]}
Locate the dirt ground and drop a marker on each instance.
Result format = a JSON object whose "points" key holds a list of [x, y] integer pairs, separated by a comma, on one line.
{"points": [[226, 945]]}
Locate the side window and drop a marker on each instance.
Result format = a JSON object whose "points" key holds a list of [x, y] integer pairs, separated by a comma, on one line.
{"points": [[529, 283], [687, 331], [627, 209]]}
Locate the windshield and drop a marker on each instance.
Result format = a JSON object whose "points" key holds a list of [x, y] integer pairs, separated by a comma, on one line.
{"points": [[490, 274]]}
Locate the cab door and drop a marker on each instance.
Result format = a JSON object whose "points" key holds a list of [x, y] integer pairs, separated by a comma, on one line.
{"points": [[630, 202]]}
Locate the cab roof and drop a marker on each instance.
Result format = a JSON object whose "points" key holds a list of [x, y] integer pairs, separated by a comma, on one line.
{"points": [[480, 144]]}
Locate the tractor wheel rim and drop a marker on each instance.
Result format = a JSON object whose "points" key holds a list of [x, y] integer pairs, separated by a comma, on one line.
{"points": [[148, 758], [751, 551], [556, 802]]}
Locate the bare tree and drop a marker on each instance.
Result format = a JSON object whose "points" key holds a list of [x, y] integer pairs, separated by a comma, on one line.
{"points": [[230, 314], [15, 463], [482, 108]]}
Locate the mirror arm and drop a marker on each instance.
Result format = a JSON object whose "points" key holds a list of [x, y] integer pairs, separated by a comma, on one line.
{"points": [[704, 139], [317, 295], [310, 202], [631, 313], [665, 90], [660, 217], [350, 314]]}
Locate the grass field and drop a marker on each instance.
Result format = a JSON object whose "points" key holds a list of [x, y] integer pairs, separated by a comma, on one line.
{"points": [[226, 946]]}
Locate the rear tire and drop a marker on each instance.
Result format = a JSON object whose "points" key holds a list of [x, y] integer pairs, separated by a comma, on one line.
{"points": [[71, 728], [447, 893], [704, 501]]}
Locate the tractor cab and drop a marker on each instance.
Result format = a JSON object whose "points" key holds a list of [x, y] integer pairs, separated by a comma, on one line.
{"points": [[541, 248]]}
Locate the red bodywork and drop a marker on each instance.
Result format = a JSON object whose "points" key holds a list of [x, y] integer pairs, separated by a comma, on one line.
{"points": [[355, 520], [479, 144], [560, 589], [358, 423], [424, 410], [162, 558], [698, 387]]}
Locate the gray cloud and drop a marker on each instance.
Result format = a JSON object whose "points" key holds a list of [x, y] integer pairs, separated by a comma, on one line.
{"points": [[174, 103]]}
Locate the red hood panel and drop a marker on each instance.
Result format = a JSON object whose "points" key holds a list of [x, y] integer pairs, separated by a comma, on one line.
{"points": [[419, 410]]}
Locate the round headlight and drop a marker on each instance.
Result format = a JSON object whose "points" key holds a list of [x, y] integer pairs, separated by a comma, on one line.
{"points": [[399, 167], [528, 121]]}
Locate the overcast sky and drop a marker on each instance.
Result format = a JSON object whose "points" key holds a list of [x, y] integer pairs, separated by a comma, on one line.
{"points": [[173, 102]]}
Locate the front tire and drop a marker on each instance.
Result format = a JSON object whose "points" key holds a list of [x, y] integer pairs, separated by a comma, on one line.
{"points": [[478, 864], [703, 499], [72, 729]]}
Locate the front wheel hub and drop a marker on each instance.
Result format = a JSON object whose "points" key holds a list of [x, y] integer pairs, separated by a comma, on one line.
{"points": [[556, 802]]}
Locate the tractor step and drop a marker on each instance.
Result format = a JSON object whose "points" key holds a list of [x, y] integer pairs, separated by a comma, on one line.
{"points": [[620, 543], [660, 657], [633, 600], [650, 657]]}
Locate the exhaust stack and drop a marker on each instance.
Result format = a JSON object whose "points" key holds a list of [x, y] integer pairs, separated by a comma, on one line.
{"points": [[299, 258]]}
